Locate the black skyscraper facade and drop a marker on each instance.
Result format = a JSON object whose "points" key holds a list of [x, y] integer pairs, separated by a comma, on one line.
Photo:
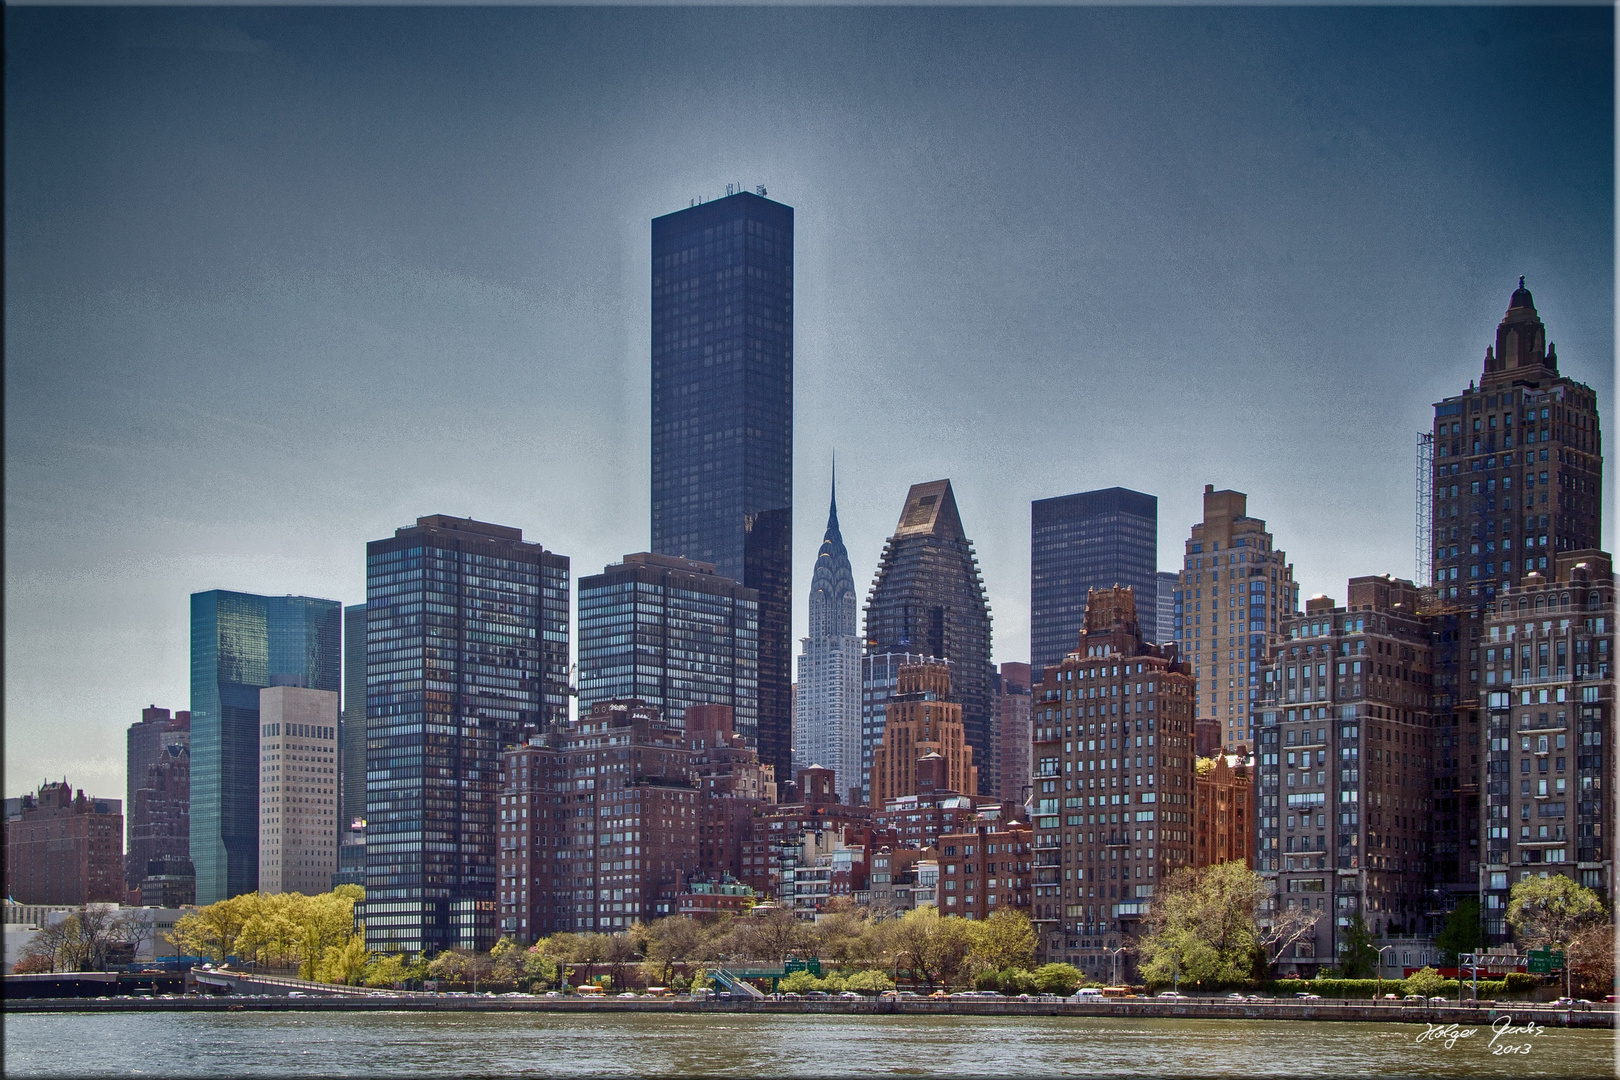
{"points": [[722, 417], [1093, 540], [928, 598]]}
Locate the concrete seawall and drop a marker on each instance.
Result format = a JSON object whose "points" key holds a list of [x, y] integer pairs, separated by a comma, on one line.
{"points": [[1595, 1016]]}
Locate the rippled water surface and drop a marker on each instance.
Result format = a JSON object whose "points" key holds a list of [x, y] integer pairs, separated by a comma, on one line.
{"points": [[552, 1044]]}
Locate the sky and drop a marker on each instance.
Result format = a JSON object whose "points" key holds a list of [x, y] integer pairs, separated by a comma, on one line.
{"points": [[281, 280]]}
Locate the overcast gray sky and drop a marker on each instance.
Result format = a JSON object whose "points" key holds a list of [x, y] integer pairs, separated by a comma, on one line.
{"points": [[281, 280]]}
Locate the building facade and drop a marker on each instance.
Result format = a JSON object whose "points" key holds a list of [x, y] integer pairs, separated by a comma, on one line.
{"points": [[1168, 581], [827, 718], [928, 598], [670, 632], [239, 644], [1092, 540], [1014, 733], [352, 725], [466, 645], [722, 419], [880, 674], [922, 720], [1114, 771], [65, 848], [986, 868], [1347, 755], [599, 824], [1548, 697], [1236, 589], [298, 789], [157, 809], [1223, 810], [1514, 478]]}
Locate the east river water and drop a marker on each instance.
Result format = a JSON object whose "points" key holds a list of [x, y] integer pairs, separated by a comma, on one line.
{"points": [[619, 1044]]}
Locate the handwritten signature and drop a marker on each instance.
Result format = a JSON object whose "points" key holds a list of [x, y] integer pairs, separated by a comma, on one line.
{"points": [[1505, 1038]]}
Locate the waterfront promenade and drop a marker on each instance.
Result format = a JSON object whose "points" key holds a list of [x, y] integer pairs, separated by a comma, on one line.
{"points": [[1587, 1016]]}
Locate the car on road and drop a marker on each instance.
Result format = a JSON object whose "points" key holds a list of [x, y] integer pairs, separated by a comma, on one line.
{"points": [[1086, 992], [1170, 995], [1303, 996], [1235, 998]]}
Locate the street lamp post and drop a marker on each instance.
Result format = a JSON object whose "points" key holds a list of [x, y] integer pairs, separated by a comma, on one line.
{"points": [[1378, 991], [1116, 953]]}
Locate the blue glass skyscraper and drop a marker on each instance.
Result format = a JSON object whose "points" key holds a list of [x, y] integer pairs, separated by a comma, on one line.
{"points": [[241, 643], [722, 417]]}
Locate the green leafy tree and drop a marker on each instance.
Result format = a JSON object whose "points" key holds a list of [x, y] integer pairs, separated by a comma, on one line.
{"points": [[1359, 958], [386, 971], [1062, 979], [1552, 912], [1425, 981], [540, 972], [1461, 934], [870, 981], [1202, 926], [799, 982], [1005, 940], [344, 965]]}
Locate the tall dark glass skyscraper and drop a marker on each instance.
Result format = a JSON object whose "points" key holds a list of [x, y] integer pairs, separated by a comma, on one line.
{"points": [[722, 417], [466, 642], [241, 643], [928, 598], [1093, 540]]}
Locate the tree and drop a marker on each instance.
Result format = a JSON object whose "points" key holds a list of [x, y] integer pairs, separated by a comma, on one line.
{"points": [[1591, 959], [1425, 981], [540, 972], [1461, 934], [1005, 940], [1061, 979], [870, 981], [48, 950], [451, 966], [799, 982], [1202, 926], [1358, 959], [844, 935], [1279, 929], [772, 936], [386, 971], [212, 931], [344, 965], [671, 941], [1551, 912], [618, 951]]}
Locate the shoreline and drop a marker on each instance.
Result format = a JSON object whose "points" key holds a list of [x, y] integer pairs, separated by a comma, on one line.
{"points": [[1393, 1013]]}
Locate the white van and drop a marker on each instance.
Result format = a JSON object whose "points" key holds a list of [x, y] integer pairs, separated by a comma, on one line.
{"points": [[1088, 992]]}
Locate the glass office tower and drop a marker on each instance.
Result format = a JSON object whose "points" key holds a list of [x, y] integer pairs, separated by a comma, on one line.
{"points": [[670, 632], [466, 644], [1092, 540], [241, 643], [722, 417]]}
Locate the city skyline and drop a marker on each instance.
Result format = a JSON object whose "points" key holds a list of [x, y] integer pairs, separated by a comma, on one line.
{"points": [[1300, 230]]}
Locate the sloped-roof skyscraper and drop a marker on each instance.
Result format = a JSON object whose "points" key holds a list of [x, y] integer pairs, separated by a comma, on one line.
{"points": [[928, 598], [722, 417], [828, 732]]}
